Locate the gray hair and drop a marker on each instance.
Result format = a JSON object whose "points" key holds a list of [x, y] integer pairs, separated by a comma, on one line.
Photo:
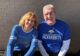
{"points": [[48, 6]]}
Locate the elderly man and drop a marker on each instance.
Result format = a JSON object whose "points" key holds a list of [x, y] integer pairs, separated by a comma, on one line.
{"points": [[53, 34]]}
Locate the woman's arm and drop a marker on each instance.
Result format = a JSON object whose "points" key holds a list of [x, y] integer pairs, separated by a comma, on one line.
{"points": [[10, 45], [12, 40], [32, 47]]}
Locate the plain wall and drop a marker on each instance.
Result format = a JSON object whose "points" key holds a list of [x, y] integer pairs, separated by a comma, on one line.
{"points": [[66, 10]]}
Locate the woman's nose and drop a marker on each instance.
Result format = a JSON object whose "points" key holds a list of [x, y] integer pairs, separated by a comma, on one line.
{"points": [[30, 21]]}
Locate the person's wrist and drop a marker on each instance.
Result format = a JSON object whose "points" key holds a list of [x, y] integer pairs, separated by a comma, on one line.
{"points": [[47, 55], [61, 54]]}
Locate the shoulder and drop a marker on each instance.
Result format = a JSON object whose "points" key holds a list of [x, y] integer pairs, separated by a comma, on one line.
{"points": [[15, 29], [35, 30], [17, 26], [42, 24], [34, 34], [60, 22]]}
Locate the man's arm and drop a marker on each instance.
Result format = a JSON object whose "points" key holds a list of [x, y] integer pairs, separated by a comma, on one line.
{"points": [[64, 47], [42, 49]]}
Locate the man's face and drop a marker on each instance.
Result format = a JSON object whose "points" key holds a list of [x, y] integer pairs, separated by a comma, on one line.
{"points": [[49, 16]]}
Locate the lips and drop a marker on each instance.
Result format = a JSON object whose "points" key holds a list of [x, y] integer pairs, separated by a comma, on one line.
{"points": [[49, 18]]}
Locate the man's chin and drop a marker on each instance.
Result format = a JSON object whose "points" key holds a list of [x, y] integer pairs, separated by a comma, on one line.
{"points": [[50, 23]]}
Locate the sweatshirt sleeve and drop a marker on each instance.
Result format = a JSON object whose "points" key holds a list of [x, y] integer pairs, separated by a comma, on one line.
{"points": [[66, 41], [40, 45], [11, 42], [64, 47], [42, 49], [32, 48]]}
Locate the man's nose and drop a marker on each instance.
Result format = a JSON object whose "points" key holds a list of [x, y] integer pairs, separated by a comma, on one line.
{"points": [[49, 15]]}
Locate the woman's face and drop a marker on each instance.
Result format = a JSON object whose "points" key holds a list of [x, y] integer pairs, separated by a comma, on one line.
{"points": [[29, 23]]}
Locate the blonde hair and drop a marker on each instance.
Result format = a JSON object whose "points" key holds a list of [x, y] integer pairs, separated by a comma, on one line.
{"points": [[29, 15]]}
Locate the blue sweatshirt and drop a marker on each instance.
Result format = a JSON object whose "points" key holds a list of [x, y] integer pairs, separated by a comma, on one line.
{"points": [[22, 41], [52, 36]]}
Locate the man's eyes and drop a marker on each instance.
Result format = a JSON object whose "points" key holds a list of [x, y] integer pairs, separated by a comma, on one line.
{"points": [[49, 13]]}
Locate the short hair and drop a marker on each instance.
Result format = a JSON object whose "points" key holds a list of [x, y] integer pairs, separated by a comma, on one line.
{"points": [[48, 6], [29, 15]]}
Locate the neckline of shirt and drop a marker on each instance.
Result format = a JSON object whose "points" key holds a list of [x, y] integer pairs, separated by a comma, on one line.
{"points": [[27, 32]]}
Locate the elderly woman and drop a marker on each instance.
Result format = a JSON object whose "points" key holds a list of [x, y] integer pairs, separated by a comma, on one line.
{"points": [[23, 38]]}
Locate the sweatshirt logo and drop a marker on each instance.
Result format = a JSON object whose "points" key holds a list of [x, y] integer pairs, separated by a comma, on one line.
{"points": [[51, 31], [51, 36]]}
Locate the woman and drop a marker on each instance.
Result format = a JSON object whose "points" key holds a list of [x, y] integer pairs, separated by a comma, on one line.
{"points": [[23, 38]]}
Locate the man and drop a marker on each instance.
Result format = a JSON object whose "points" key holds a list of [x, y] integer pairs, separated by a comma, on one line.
{"points": [[54, 35]]}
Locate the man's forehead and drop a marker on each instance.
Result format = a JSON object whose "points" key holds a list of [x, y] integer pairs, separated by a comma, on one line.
{"points": [[48, 10]]}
